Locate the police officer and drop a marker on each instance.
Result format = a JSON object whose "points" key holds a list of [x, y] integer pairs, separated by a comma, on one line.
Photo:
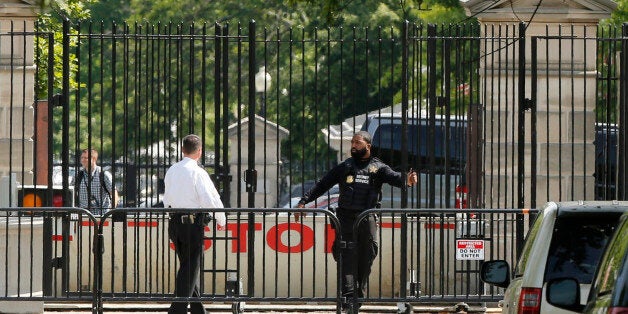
{"points": [[187, 185], [360, 178]]}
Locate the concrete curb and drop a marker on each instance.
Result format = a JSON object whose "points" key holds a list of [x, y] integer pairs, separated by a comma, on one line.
{"points": [[256, 308]]}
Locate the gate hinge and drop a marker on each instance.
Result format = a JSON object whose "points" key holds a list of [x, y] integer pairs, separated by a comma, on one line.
{"points": [[250, 178], [57, 262], [58, 100], [441, 101], [219, 177], [528, 104]]}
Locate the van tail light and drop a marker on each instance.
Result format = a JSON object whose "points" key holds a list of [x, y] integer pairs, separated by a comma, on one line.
{"points": [[529, 301], [617, 310]]}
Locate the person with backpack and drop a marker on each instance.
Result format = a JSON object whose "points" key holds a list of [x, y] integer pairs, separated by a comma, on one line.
{"points": [[94, 186]]}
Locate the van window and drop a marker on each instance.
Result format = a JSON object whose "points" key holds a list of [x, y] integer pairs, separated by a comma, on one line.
{"points": [[611, 265], [527, 247], [577, 245], [386, 145]]}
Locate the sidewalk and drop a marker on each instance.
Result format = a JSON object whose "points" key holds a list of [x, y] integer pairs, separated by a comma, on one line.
{"points": [[121, 308]]}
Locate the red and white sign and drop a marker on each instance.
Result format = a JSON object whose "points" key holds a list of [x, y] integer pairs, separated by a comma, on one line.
{"points": [[470, 250]]}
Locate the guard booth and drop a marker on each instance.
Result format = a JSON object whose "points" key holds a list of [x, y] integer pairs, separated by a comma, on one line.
{"points": [[268, 136]]}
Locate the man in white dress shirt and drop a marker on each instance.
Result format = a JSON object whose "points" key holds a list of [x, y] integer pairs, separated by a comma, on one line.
{"points": [[187, 185]]}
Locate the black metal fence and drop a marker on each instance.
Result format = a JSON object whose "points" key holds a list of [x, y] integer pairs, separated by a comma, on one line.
{"points": [[504, 119], [425, 256], [44, 255], [491, 117], [274, 107]]}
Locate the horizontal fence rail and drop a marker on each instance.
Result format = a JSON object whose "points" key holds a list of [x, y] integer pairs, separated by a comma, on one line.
{"points": [[436, 254], [425, 256], [36, 255], [286, 252]]}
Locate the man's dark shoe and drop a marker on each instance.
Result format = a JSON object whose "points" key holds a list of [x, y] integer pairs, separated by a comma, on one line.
{"points": [[350, 308]]}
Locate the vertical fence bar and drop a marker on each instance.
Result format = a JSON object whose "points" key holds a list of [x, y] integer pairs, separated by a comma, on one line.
{"points": [[431, 96], [404, 158], [251, 176], [98, 276], [622, 176], [521, 89], [47, 225], [446, 101], [218, 84], [533, 93], [224, 175], [65, 137], [65, 253]]}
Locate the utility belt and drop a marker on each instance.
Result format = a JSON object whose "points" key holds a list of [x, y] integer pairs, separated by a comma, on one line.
{"points": [[185, 219], [354, 213], [190, 219], [348, 211]]}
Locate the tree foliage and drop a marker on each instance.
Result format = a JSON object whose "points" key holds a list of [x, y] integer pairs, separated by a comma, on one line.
{"points": [[619, 16], [50, 21], [316, 104], [324, 87]]}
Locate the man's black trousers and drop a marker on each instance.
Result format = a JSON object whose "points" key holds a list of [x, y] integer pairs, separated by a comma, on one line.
{"points": [[188, 242], [357, 259]]}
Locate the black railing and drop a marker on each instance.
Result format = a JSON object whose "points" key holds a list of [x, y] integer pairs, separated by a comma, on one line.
{"points": [[126, 256]]}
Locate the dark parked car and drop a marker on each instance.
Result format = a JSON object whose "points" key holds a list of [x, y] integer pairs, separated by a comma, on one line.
{"points": [[445, 142], [605, 161], [438, 148], [296, 190], [609, 290]]}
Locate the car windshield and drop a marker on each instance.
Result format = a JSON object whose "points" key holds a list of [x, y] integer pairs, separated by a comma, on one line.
{"points": [[577, 246]]}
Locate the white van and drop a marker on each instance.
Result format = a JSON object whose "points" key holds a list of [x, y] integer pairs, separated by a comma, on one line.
{"points": [[566, 241]]}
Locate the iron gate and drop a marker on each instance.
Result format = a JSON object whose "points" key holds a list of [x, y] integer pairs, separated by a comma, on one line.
{"points": [[275, 109]]}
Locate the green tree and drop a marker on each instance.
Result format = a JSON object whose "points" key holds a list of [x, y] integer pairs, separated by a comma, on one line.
{"points": [[49, 25], [311, 102], [50, 21], [619, 16]]}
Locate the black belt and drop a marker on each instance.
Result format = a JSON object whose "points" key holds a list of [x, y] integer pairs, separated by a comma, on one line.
{"points": [[184, 218]]}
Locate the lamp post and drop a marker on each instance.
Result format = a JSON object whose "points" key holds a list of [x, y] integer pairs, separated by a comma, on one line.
{"points": [[263, 82]]}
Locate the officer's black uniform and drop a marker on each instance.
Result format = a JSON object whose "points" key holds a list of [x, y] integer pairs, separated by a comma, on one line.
{"points": [[186, 233], [360, 184]]}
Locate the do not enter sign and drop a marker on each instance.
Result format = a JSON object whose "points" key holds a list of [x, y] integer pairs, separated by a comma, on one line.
{"points": [[470, 249]]}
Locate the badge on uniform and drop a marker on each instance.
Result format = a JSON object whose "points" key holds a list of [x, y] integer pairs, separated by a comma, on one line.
{"points": [[372, 169], [349, 179]]}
